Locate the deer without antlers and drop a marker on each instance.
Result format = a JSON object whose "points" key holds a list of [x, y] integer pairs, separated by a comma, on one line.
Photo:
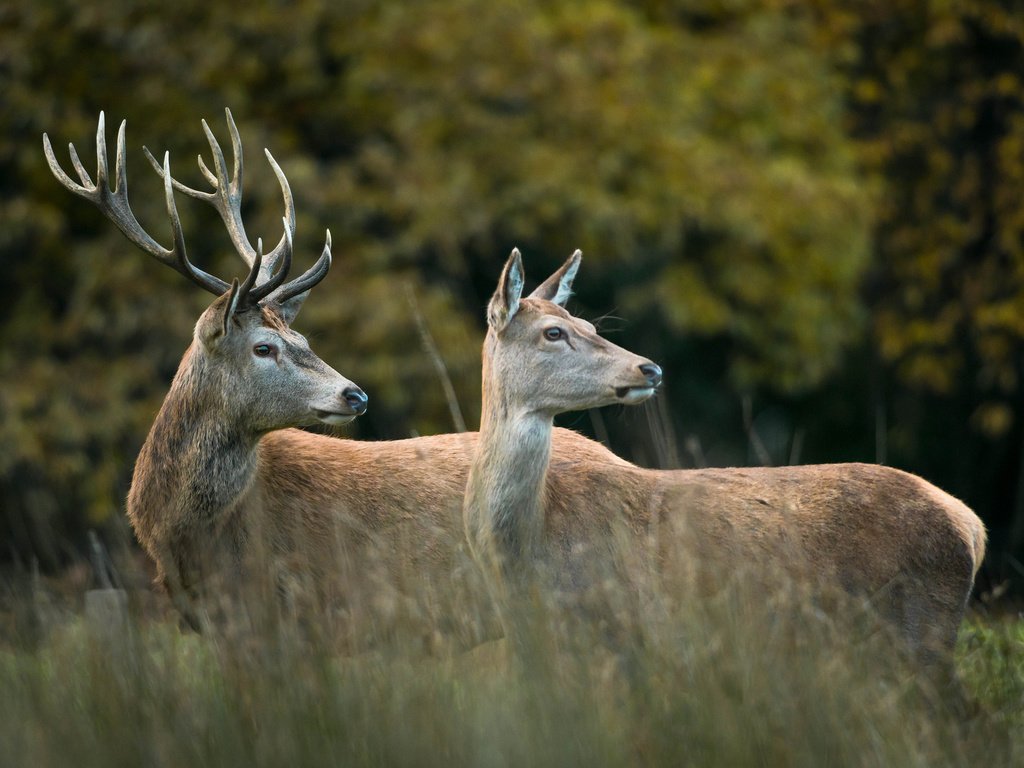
{"points": [[867, 529], [538, 361]]}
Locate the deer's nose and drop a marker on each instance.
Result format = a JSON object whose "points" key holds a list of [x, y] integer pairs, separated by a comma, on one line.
{"points": [[652, 372], [356, 399]]}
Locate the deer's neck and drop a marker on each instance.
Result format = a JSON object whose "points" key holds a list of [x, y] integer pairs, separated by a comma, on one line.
{"points": [[197, 462], [504, 504]]}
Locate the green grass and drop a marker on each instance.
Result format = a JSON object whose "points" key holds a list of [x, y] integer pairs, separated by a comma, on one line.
{"points": [[733, 680], [990, 662]]}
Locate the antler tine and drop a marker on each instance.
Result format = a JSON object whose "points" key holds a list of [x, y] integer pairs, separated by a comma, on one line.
{"points": [[309, 278], [271, 284], [82, 173], [208, 281], [198, 194], [210, 176], [101, 156], [115, 206], [236, 151], [120, 174], [285, 243], [246, 292]]}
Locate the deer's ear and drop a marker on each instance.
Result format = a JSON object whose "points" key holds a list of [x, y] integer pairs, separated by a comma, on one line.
{"points": [[558, 287], [215, 323], [289, 308], [505, 302]]}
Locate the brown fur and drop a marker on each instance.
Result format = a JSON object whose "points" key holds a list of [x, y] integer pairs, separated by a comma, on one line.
{"points": [[327, 503], [210, 489], [871, 530], [191, 499]]}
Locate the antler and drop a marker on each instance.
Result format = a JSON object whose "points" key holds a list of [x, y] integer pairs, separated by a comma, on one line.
{"points": [[114, 205], [226, 199]]}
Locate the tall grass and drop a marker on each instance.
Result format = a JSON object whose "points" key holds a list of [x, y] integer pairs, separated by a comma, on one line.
{"points": [[741, 677]]}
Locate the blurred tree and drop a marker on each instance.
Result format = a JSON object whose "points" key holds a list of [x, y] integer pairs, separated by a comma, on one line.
{"points": [[936, 105], [709, 170], [699, 159]]}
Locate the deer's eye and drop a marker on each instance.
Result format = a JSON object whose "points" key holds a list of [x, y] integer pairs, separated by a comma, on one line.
{"points": [[263, 350], [554, 333]]}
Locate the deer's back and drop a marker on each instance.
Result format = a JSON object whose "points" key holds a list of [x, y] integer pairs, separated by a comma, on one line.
{"points": [[333, 492], [851, 518], [866, 526]]}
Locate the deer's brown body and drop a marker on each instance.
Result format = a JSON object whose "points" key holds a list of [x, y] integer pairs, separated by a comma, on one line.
{"points": [[366, 493], [334, 510], [870, 530]]}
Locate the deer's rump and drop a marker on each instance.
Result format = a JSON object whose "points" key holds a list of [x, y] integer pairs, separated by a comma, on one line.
{"points": [[870, 530]]}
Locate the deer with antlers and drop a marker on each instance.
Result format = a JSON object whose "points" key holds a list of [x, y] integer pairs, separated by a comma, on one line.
{"points": [[866, 529], [245, 374]]}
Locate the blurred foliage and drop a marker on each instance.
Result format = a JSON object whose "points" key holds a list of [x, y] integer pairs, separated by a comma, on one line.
{"points": [[936, 106], [726, 681], [750, 182]]}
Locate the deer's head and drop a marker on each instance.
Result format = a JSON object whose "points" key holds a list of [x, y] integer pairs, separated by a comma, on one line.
{"points": [[543, 359], [267, 374], [273, 378]]}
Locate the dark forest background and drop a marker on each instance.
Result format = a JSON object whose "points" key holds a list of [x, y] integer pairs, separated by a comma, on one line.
{"points": [[810, 213]]}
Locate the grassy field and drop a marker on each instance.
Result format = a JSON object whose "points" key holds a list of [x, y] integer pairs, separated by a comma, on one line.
{"points": [[734, 680]]}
